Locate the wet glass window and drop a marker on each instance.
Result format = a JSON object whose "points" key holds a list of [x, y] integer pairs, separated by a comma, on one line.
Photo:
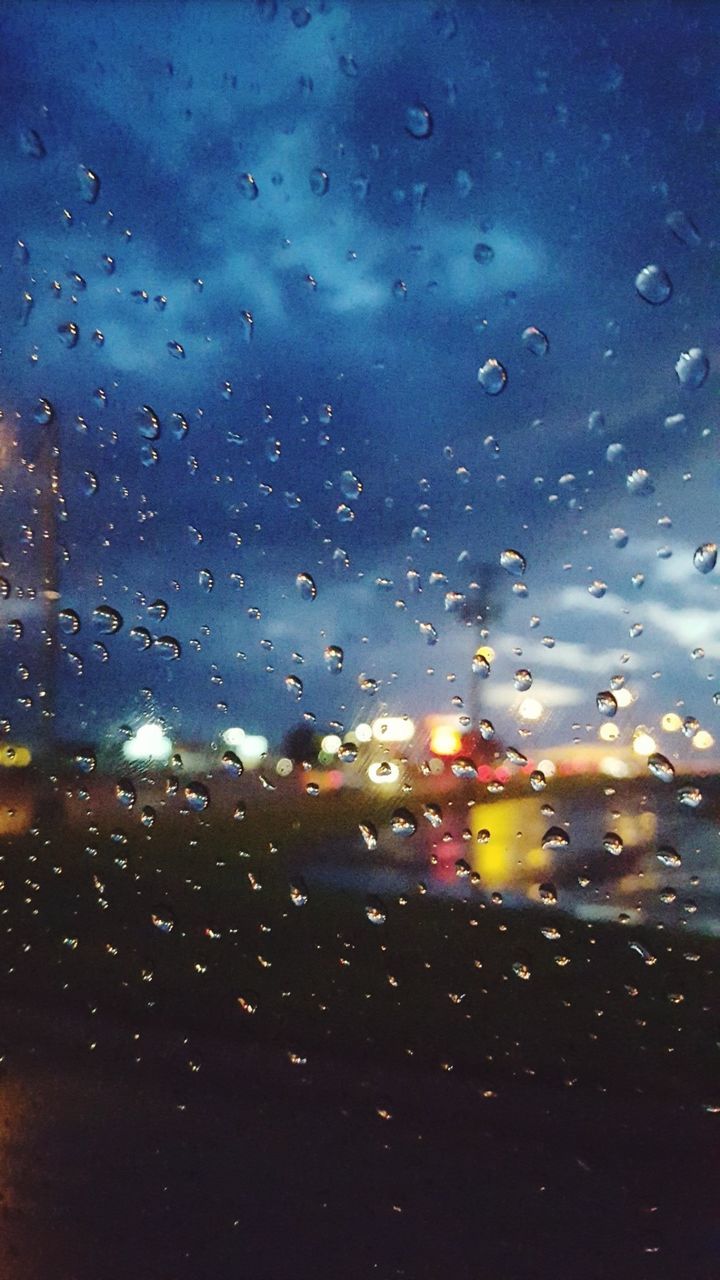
{"points": [[359, 639]]}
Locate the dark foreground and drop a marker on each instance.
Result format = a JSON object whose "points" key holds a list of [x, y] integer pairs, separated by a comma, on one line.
{"points": [[120, 1162]]}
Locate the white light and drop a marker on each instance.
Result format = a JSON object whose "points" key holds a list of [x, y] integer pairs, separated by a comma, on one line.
{"points": [[624, 698], [643, 744], [702, 740], [608, 732], [547, 767], [530, 709], [251, 746], [363, 733], [331, 744], [284, 767], [671, 722], [614, 767], [148, 743], [385, 773], [393, 729]]}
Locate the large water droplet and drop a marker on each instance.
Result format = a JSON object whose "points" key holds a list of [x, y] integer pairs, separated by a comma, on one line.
{"points": [[653, 285], [89, 184], [682, 227], [418, 121], [147, 422], [197, 796], [403, 823], [606, 703], [333, 657], [492, 377], [535, 341], [692, 367], [247, 186], [705, 558], [167, 648], [513, 562], [106, 620], [319, 182], [555, 838], [306, 586], [660, 767]]}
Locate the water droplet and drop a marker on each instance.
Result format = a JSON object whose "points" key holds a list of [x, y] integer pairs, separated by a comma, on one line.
{"points": [[492, 377], [140, 637], [106, 620], [606, 703], [43, 413], [692, 367], [85, 761], [418, 121], [433, 814], [176, 350], [597, 588], [653, 285], [548, 894], [163, 919], [147, 422], [232, 764], [522, 680], [247, 186], [167, 648], [538, 781], [535, 341], [179, 426], [319, 182], [462, 767], [516, 757], [333, 657], [669, 856], [612, 843], [660, 767], [428, 632], [403, 823], [480, 665], [347, 753], [640, 483], [483, 253], [368, 684], [705, 558], [375, 911], [690, 797], [682, 227], [68, 622], [294, 686], [206, 581], [350, 486], [368, 831], [299, 893], [125, 793], [89, 184], [89, 484], [513, 563], [521, 970], [306, 586], [555, 838], [69, 333], [31, 144], [197, 796]]}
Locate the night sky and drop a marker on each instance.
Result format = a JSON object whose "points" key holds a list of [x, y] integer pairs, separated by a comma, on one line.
{"points": [[349, 315]]}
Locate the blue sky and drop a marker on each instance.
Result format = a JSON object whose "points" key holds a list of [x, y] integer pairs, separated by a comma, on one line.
{"points": [[562, 144]]}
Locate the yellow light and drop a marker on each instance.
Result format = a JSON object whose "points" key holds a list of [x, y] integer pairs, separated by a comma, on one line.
{"points": [[363, 733], [487, 652], [608, 732], [383, 774], [624, 698], [444, 740], [702, 740], [331, 744], [284, 767], [14, 757], [530, 709], [393, 729], [643, 744], [671, 722]]}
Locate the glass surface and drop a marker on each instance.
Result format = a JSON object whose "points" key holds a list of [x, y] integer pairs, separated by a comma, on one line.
{"points": [[360, 697]]}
